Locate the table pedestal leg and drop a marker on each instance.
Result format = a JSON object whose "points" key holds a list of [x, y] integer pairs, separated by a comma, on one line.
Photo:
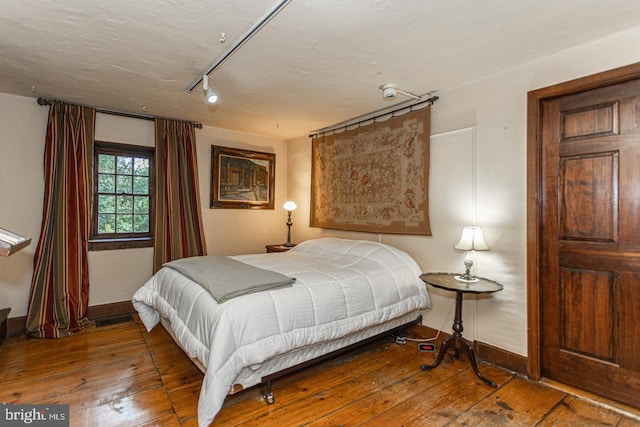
{"points": [[455, 340]]}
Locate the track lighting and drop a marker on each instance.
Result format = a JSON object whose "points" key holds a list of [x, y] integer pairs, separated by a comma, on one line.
{"points": [[255, 28], [212, 98], [390, 91]]}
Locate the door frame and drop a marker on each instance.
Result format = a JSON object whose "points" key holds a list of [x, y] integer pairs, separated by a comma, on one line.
{"points": [[535, 99]]}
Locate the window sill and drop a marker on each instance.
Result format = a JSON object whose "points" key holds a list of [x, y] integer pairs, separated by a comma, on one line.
{"points": [[114, 244]]}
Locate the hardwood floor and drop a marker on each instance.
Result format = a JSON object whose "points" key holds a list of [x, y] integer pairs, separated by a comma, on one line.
{"points": [[120, 375]]}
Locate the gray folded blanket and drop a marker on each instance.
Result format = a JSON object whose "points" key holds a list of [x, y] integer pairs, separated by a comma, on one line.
{"points": [[226, 278]]}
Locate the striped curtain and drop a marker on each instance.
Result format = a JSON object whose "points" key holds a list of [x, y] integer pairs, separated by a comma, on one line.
{"points": [[178, 223], [60, 285]]}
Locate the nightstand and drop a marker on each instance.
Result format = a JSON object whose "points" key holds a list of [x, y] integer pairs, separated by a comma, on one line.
{"points": [[277, 248], [4, 317], [448, 282]]}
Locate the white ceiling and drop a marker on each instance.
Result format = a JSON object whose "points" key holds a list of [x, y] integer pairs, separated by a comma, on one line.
{"points": [[317, 63]]}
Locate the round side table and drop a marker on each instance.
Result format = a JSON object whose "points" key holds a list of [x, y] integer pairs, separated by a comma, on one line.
{"points": [[448, 282]]}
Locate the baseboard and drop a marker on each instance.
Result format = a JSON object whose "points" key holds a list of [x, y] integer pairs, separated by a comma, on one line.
{"points": [[488, 353], [502, 358], [110, 310], [16, 325], [485, 352]]}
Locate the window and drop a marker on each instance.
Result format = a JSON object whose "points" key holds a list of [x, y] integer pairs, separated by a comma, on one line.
{"points": [[122, 197]]}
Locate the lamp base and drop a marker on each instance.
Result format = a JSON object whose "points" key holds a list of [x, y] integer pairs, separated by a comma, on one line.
{"points": [[288, 245], [466, 278]]}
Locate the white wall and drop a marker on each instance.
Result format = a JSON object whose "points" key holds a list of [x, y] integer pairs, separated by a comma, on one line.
{"points": [[241, 231], [115, 275], [481, 125], [22, 132]]}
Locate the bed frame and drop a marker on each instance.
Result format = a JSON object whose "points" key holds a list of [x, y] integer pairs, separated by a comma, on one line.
{"points": [[267, 380]]}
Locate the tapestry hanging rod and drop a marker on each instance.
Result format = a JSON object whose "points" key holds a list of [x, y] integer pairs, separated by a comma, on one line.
{"points": [[367, 119], [42, 101]]}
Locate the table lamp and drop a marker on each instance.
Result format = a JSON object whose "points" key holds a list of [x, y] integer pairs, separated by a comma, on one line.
{"points": [[470, 241], [289, 206]]}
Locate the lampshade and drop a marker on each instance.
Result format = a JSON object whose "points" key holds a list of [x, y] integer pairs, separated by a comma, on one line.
{"points": [[472, 240], [290, 205]]}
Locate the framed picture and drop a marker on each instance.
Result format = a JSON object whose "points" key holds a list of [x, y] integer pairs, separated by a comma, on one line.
{"points": [[242, 179]]}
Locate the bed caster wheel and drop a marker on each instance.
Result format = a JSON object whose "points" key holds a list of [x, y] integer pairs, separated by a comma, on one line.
{"points": [[270, 398]]}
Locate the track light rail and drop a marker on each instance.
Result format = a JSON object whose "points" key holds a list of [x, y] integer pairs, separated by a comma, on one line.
{"points": [[240, 42]]}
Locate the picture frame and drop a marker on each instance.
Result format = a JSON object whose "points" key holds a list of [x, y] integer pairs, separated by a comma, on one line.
{"points": [[242, 179]]}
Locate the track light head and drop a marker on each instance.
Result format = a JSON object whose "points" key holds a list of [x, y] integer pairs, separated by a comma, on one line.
{"points": [[212, 98]]}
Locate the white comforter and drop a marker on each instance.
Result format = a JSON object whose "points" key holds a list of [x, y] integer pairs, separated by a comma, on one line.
{"points": [[342, 286]]}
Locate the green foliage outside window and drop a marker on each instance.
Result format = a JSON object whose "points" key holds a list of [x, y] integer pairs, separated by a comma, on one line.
{"points": [[123, 194]]}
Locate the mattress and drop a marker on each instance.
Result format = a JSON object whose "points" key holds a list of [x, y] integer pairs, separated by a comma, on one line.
{"points": [[342, 288]]}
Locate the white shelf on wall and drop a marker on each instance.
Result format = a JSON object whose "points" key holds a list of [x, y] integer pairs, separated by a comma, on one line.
{"points": [[11, 243]]}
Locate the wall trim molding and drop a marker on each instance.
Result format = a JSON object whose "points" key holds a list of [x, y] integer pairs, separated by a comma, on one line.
{"points": [[486, 352], [16, 325], [502, 358]]}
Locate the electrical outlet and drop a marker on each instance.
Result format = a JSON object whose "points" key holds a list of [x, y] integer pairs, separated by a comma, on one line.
{"points": [[426, 347]]}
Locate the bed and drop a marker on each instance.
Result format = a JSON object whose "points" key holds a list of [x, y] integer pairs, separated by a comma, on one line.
{"points": [[343, 292]]}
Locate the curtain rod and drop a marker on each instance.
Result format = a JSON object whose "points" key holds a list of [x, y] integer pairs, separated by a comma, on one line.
{"points": [[42, 101], [365, 118]]}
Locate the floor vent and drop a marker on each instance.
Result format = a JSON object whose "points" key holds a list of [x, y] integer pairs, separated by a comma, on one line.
{"points": [[106, 321]]}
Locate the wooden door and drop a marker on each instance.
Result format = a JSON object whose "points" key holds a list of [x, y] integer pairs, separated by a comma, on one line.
{"points": [[590, 241]]}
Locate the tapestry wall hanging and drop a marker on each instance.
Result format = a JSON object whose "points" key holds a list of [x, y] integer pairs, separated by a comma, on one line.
{"points": [[374, 178]]}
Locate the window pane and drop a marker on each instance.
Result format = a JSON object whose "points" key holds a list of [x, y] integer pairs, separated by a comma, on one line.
{"points": [[106, 204], [141, 167], [125, 165], [106, 163], [125, 204], [122, 202], [125, 184], [141, 185], [141, 204], [125, 224], [106, 223], [106, 183], [141, 223]]}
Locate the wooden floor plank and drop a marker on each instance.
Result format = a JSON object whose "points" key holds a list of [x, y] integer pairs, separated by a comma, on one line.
{"points": [[441, 404], [41, 356], [519, 402], [573, 411], [306, 410], [339, 401], [122, 375], [140, 408], [380, 400], [185, 401], [314, 380]]}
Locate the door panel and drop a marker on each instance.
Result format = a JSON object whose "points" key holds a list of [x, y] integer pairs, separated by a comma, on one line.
{"points": [[588, 197], [590, 253], [587, 313]]}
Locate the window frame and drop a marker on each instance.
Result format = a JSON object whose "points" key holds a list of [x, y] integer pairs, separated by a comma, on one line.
{"points": [[111, 241]]}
